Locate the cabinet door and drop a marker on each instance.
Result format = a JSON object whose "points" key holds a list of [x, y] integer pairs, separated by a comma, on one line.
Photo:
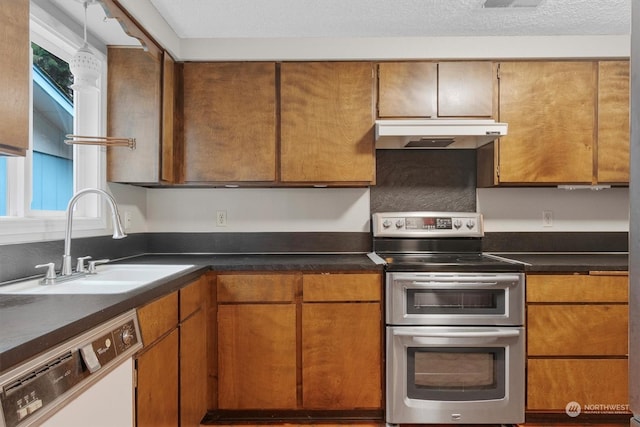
{"points": [[14, 77], [257, 356], [341, 356], [134, 105], [158, 317], [465, 89], [327, 122], [550, 109], [577, 330], [157, 389], [229, 122], [193, 369], [407, 89], [613, 122], [553, 383]]}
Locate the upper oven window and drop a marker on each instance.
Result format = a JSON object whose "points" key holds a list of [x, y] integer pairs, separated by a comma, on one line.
{"points": [[455, 374], [455, 301]]}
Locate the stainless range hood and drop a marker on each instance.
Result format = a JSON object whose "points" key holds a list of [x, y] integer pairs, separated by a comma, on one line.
{"points": [[437, 133]]}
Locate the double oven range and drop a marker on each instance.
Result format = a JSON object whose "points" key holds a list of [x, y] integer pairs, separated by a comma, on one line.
{"points": [[455, 340]]}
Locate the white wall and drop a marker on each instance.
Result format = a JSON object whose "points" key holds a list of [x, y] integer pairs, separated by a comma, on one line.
{"points": [[258, 210], [520, 209]]}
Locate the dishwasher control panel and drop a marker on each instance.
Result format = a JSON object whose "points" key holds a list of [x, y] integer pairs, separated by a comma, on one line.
{"points": [[32, 392]]}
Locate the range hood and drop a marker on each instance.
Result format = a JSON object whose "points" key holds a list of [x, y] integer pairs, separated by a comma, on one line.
{"points": [[437, 133]]}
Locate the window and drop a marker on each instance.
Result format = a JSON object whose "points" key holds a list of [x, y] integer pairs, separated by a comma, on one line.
{"points": [[52, 171], [35, 190]]}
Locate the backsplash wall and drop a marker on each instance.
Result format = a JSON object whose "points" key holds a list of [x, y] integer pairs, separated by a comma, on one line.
{"points": [[424, 180]]}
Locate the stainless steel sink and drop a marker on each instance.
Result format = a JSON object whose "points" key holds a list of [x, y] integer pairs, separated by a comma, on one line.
{"points": [[109, 279]]}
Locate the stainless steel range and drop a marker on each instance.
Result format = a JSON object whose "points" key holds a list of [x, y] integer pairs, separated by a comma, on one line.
{"points": [[455, 341]]}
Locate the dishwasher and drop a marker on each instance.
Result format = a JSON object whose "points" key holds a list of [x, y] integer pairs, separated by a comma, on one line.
{"points": [[87, 380]]}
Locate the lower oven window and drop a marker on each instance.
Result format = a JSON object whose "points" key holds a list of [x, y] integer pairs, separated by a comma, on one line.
{"points": [[452, 373], [458, 301]]}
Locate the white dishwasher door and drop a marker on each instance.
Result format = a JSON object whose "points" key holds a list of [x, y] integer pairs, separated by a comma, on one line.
{"points": [[107, 403]]}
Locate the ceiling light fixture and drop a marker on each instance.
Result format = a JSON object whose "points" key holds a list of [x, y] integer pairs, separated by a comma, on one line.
{"points": [[84, 65]]}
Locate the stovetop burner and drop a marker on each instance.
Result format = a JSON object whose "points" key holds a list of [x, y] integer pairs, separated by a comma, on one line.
{"points": [[449, 262]]}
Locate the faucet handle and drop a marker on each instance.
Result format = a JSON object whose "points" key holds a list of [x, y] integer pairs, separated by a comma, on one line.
{"points": [[50, 276], [92, 265], [80, 265]]}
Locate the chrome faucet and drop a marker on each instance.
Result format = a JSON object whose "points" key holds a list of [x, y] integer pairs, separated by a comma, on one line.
{"points": [[118, 229]]}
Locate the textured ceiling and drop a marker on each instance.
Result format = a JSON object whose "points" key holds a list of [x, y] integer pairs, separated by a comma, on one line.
{"points": [[390, 18]]}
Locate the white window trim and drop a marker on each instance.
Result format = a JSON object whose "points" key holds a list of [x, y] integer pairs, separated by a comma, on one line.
{"points": [[90, 216]]}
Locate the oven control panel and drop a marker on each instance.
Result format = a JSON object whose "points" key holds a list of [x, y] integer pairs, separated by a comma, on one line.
{"points": [[427, 224]]}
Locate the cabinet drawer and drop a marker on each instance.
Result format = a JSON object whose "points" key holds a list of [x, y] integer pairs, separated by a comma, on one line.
{"points": [[158, 317], [192, 297], [257, 287], [552, 383], [577, 329], [577, 288], [341, 287]]}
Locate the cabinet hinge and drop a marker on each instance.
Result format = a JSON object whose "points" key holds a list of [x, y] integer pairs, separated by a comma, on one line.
{"points": [[498, 171], [498, 72]]}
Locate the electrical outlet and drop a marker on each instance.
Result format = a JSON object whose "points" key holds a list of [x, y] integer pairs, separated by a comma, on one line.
{"points": [[221, 218], [547, 218], [127, 220]]}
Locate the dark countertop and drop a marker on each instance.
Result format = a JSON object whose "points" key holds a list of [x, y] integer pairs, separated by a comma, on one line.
{"points": [[570, 262], [31, 324]]}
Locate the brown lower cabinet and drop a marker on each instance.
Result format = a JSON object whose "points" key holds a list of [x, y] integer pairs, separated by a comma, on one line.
{"points": [[577, 342], [299, 341], [171, 388]]}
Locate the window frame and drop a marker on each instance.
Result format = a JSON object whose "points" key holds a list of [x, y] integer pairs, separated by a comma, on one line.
{"points": [[22, 224]]}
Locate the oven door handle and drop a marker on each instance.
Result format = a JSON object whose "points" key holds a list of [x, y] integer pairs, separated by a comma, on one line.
{"points": [[449, 283], [463, 334]]}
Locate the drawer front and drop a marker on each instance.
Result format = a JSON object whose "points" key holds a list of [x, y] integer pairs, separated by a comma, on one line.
{"points": [[257, 287], [158, 317], [192, 297], [342, 287], [553, 383], [577, 330], [577, 288]]}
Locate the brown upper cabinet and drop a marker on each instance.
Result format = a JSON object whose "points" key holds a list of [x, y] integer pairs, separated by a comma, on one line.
{"points": [[613, 122], [430, 89], [229, 122], [568, 124], [14, 77], [327, 123], [319, 115], [141, 100]]}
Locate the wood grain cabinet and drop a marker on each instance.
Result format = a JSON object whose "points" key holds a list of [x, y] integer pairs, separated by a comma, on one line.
{"points": [[157, 364], [576, 340], [141, 105], [193, 361], [15, 77], [341, 341], [256, 333], [568, 124], [229, 122], [282, 124], [171, 369], [298, 341], [327, 123], [431, 89]]}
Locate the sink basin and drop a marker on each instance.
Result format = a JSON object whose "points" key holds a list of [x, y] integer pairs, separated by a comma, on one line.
{"points": [[109, 279]]}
